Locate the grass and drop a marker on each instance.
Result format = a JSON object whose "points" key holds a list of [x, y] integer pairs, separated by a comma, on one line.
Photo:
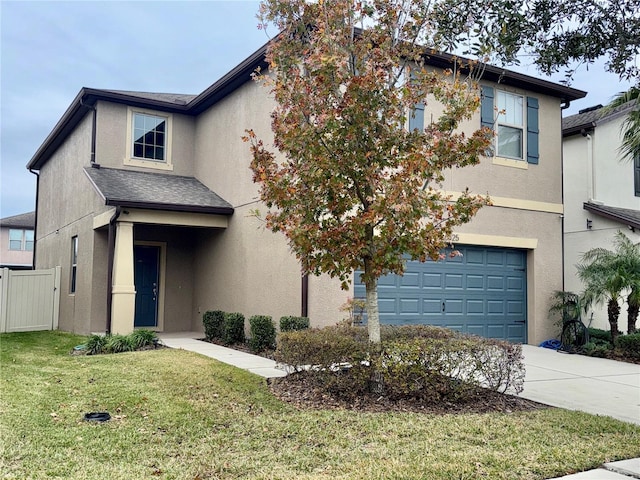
{"points": [[177, 415]]}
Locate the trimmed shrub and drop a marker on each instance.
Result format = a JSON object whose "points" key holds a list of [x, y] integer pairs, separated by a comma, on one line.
{"points": [[143, 338], [263, 333], [118, 344], [213, 321], [599, 348], [424, 362], [291, 324], [95, 344], [629, 345], [598, 334], [233, 328]]}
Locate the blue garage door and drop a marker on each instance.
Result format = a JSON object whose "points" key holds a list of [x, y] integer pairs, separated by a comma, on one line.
{"points": [[481, 292]]}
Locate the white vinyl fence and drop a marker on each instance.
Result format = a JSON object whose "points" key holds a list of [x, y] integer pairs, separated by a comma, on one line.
{"points": [[29, 299]]}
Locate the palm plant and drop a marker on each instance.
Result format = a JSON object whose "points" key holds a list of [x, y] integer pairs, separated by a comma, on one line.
{"points": [[628, 254], [630, 129], [607, 275]]}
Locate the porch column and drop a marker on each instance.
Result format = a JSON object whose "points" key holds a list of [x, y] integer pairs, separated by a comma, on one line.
{"points": [[123, 305]]}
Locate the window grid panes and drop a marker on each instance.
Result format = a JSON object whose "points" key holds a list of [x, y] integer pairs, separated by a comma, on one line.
{"points": [[21, 240], [510, 125], [149, 137]]}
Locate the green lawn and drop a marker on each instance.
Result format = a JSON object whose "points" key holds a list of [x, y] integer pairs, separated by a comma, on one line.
{"points": [[180, 415]]}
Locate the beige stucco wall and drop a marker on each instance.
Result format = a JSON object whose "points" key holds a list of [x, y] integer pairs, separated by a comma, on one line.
{"points": [[593, 171], [67, 204], [274, 287], [112, 147], [13, 257], [247, 268]]}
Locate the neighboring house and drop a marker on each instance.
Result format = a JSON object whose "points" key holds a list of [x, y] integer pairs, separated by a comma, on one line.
{"points": [[16, 241], [602, 192], [145, 201]]}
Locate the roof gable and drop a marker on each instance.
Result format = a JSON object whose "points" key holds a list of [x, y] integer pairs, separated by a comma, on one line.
{"points": [[238, 76]]}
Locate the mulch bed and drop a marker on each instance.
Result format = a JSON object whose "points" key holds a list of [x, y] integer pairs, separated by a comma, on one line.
{"points": [[299, 389]]}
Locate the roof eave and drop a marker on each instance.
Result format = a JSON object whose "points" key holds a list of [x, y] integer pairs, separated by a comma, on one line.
{"points": [[170, 207], [611, 215]]}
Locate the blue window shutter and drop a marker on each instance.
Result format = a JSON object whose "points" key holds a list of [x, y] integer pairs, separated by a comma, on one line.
{"points": [[486, 108], [416, 118], [533, 131]]}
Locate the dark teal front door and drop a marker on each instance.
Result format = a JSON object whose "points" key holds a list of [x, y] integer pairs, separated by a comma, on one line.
{"points": [[146, 279]]}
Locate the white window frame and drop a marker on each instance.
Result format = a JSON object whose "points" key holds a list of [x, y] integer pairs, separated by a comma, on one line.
{"points": [[73, 271], [501, 122], [133, 161], [24, 242]]}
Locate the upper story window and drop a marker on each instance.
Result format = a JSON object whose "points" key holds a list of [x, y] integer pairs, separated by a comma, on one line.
{"points": [[510, 125], [514, 118], [21, 240], [149, 136], [149, 140]]}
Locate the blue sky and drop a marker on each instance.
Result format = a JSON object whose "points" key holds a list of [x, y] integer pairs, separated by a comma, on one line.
{"points": [[50, 50]]}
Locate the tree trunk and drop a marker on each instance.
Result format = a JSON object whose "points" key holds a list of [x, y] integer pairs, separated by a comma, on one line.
{"points": [[613, 310], [632, 315], [373, 316]]}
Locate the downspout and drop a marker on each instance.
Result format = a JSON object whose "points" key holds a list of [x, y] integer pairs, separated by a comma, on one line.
{"points": [[111, 247], [563, 106], [305, 295], [35, 223]]}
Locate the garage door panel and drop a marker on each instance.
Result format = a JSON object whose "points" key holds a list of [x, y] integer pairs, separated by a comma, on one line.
{"points": [[453, 281], [475, 307], [484, 293], [475, 282], [453, 306], [410, 305], [495, 283], [432, 280], [387, 305], [409, 279]]}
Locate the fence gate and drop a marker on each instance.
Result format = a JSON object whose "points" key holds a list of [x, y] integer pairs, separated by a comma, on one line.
{"points": [[29, 299]]}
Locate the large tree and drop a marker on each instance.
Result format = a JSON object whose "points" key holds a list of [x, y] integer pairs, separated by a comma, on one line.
{"points": [[352, 187], [630, 128]]}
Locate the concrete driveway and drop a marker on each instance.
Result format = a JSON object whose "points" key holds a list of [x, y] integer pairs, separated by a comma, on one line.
{"points": [[576, 382]]}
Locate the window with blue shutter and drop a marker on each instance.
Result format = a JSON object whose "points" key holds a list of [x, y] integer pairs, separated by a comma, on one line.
{"points": [[515, 120]]}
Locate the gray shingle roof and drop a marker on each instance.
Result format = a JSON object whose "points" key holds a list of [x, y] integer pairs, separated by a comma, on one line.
{"points": [[24, 220], [626, 216], [574, 123], [157, 191]]}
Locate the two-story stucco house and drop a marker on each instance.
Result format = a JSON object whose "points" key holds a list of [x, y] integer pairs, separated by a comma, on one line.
{"points": [[17, 240], [145, 201], [602, 191]]}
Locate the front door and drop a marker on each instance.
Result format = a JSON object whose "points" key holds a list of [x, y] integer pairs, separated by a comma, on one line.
{"points": [[147, 281]]}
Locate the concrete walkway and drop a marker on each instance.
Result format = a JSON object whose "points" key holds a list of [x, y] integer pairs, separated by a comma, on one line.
{"points": [[574, 382]]}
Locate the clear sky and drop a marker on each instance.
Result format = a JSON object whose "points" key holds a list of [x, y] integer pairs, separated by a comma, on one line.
{"points": [[49, 50]]}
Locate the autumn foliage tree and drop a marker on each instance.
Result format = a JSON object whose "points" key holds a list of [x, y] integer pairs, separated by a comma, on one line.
{"points": [[348, 183]]}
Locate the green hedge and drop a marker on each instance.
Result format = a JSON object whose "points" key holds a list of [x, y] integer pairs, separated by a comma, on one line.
{"points": [[263, 333], [629, 345], [290, 323], [233, 328], [423, 362], [213, 321]]}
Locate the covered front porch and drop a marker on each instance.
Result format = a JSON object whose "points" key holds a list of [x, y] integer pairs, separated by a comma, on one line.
{"points": [[154, 231]]}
